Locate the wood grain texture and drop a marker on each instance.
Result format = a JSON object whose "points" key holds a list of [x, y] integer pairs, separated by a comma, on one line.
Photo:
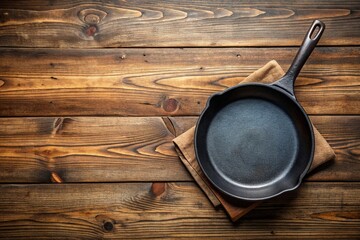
{"points": [[114, 149], [91, 24], [173, 210], [87, 150], [72, 72], [166, 81]]}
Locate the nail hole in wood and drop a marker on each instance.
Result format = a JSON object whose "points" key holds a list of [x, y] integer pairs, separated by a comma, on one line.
{"points": [[108, 226]]}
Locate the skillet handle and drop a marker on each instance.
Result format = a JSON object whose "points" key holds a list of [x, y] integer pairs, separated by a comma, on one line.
{"points": [[307, 46]]}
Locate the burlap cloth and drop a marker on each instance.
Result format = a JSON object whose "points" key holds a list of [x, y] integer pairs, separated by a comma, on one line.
{"points": [[184, 145]]}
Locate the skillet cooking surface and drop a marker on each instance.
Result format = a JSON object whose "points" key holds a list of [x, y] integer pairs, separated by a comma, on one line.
{"points": [[252, 140], [259, 137]]}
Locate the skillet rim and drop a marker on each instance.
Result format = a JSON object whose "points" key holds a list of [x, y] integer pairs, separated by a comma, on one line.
{"points": [[291, 98]]}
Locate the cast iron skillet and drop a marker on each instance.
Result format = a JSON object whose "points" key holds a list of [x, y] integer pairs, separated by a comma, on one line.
{"points": [[254, 141]]}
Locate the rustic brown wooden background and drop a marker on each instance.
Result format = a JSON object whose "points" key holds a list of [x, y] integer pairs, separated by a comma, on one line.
{"points": [[93, 92]]}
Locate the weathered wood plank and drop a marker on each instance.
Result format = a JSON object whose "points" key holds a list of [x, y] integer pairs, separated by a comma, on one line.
{"points": [[87, 150], [113, 149], [84, 24], [173, 210], [346, 144], [133, 82]]}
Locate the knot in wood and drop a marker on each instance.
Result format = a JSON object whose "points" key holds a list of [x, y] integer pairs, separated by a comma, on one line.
{"points": [[92, 15], [170, 105], [92, 18], [91, 30], [158, 188]]}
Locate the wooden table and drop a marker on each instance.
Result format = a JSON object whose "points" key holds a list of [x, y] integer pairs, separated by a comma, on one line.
{"points": [[92, 93]]}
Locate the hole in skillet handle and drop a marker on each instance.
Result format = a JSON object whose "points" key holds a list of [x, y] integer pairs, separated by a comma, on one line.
{"points": [[311, 39], [315, 32]]}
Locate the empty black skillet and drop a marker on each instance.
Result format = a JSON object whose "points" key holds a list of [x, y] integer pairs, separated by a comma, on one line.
{"points": [[254, 141]]}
